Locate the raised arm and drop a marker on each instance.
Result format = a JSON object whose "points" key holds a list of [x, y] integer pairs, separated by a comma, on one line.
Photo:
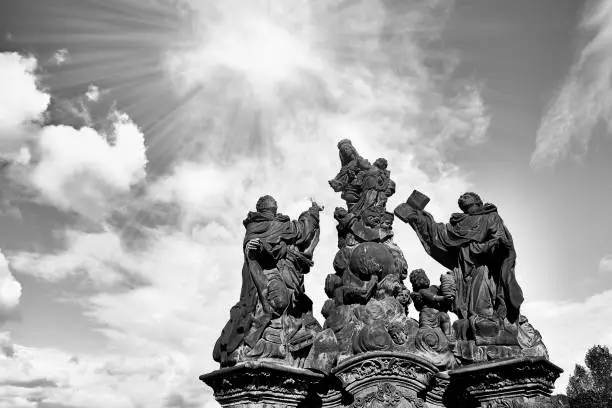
{"points": [[433, 235], [307, 229]]}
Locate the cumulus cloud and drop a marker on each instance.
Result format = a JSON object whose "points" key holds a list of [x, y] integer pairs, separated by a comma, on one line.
{"points": [[22, 102], [77, 169], [585, 99], [276, 88], [83, 170]]}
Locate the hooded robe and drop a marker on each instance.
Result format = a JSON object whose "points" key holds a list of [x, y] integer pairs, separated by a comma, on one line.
{"points": [[468, 243], [253, 312]]}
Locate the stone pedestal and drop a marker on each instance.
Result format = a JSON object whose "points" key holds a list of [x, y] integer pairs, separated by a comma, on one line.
{"points": [[264, 385], [385, 379], [437, 388], [389, 380], [519, 383]]}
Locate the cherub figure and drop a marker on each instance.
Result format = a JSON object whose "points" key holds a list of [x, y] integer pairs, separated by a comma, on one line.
{"points": [[428, 301], [404, 298]]}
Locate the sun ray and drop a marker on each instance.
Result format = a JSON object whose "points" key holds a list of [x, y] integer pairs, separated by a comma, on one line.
{"points": [[208, 80]]}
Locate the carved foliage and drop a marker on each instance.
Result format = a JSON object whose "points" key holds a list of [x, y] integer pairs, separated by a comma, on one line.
{"points": [[385, 366], [252, 384], [438, 386], [388, 396], [504, 384], [535, 373]]}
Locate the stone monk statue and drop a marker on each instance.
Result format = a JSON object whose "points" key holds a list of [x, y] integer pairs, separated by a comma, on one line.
{"points": [[476, 245], [273, 318]]}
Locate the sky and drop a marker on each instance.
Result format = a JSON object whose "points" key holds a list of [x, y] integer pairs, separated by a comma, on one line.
{"points": [[135, 136]]}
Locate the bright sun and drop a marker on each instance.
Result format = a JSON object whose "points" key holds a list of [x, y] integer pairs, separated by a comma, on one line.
{"points": [[252, 44]]}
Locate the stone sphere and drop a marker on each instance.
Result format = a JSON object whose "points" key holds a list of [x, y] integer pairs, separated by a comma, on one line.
{"points": [[371, 259]]}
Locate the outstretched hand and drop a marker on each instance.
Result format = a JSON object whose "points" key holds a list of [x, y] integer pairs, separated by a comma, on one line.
{"points": [[315, 206]]}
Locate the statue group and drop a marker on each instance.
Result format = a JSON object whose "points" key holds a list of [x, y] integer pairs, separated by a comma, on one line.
{"points": [[371, 288]]}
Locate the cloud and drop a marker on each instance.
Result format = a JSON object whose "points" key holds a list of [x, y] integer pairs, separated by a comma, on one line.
{"points": [[585, 98], [274, 90], [569, 329], [93, 93], [384, 71], [605, 264], [21, 102], [97, 257], [32, 376], [10, 290], [76, 169], [6, 345], [83, 170], [60, 57]]}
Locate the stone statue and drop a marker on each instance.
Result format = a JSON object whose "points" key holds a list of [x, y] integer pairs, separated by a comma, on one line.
{"points": [[434, 337], [368, 297], [370, 353], [431, 304], [273, 318], [478, 249]]}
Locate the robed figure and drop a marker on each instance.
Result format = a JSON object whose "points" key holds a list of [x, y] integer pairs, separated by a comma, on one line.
{"points": [[273, 318], [478, 248]]}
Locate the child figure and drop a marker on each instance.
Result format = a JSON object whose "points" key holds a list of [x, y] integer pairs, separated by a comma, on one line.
{"points": [[404, 298], [431, 305]]}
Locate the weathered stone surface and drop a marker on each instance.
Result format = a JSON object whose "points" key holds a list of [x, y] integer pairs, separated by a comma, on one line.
{"points": [[375, 377], [370, 353], [502, 383], [259, 384], [481, 287], [368, 302], [434, 337], [437, 388], [273, 318], [387, 395]]}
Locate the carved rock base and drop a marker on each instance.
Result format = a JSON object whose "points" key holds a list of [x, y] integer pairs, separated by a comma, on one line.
{"points": [[260, 384], [389, 380], [385, 379], [437, 388], [513, 383]]}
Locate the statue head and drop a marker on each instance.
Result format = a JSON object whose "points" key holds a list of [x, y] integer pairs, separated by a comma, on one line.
{"points": [[469, 202], [381, 163], [419, 280], [404, 297], [396, 331], [340, 213], [266, 204], [387, 220], [347, 151]]}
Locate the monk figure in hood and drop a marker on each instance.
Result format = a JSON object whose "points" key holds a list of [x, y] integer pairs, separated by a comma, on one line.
{"points": [[476, 245], [273, 318]]}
